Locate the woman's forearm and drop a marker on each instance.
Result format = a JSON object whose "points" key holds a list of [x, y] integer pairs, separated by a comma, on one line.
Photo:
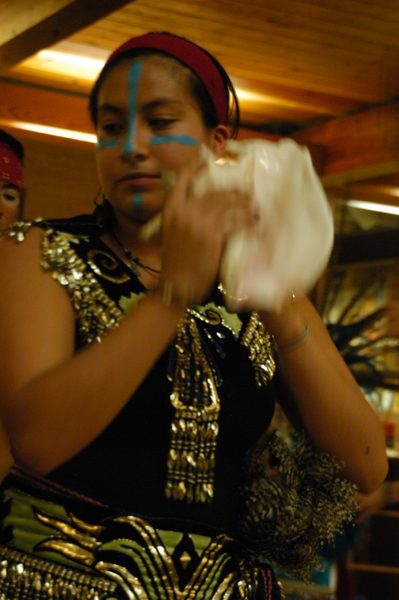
{"points": [[61, 411], [327, 399]]}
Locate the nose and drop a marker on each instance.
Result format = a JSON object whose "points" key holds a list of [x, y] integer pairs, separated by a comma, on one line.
{"points": [[137, 141]]}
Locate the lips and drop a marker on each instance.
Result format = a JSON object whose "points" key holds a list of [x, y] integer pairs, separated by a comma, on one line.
{"points": [[139, 178]]}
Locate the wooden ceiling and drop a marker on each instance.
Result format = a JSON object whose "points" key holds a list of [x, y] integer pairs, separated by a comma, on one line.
{"points": [[325, 72]]}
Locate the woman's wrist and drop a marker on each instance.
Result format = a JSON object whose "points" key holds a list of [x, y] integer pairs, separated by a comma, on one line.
{"points": [[285, 324], [295, 341], [289, 327], [170, 296]]}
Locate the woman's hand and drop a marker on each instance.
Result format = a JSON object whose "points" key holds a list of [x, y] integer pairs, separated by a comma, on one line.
{"points": [[194, 231]]}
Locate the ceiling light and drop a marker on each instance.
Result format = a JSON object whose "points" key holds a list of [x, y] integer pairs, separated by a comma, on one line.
{"points": [[68, 59], [87, 61], [71, 60], [374, 206], [70, 134], [246, 96]]}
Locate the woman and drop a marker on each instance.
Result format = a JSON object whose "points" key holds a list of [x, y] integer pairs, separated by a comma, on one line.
{"points": [[11, 201], [150, 427]]}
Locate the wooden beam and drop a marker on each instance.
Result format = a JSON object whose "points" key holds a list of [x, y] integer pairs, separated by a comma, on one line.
{"points": [[28, 27], [359, 146], [344, 151], [31, 104], [45, 107], [380, 194]]}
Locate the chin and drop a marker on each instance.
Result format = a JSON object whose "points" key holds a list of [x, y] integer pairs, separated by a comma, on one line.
{"points": [[149, 209], [146, 215]]}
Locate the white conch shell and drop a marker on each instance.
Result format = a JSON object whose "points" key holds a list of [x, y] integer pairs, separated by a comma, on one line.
{"points": [[291, 242]]}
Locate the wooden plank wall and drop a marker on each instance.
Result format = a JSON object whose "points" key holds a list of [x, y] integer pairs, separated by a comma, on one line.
{"points": [[61, 179]]}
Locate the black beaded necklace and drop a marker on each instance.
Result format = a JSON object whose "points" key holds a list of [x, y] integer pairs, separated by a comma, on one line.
{"points": [[134, 263]]}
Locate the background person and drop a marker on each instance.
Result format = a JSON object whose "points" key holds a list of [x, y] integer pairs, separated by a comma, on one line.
{"points": [[11, 202], [12, 190]]}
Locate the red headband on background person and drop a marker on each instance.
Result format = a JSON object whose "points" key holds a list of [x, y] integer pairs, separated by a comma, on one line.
{"points": [[192, 56], [11, 169]]}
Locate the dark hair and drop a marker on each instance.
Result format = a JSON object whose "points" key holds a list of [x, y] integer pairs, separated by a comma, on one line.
{"points": [[14, 144], [198, 90]]}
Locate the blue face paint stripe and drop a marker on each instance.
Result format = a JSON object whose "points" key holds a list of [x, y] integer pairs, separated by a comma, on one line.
{"points": [[133, 80], [104, 144], [186, 140], [137, 203]]}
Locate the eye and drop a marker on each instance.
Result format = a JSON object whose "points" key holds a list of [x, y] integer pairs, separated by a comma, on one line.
{"points": [[161, 122], [110, 129], [11, 196]]}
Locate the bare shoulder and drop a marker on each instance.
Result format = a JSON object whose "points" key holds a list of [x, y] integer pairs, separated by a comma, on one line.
{"points": [[36, 317], [21, 269], [12, 245]]}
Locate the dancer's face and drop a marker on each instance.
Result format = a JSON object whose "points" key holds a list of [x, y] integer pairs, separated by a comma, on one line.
{"points": [[148, 123]]}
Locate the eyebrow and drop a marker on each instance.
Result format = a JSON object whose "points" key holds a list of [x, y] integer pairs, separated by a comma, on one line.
{"points": [[110, 108], [5, 185], [160, 102], [152, 105]]}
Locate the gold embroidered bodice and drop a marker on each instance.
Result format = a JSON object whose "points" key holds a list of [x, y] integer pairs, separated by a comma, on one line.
{"points": [[176, 449]]}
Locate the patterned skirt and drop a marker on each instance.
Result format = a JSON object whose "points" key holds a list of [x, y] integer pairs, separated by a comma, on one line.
{"points": [[55, 544]]}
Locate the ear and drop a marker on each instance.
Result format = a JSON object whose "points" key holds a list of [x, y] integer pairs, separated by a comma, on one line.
{"points": [[219, 137]]}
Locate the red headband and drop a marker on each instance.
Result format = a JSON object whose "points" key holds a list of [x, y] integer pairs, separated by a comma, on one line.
{"points": [[11, 169], [192, 56]]}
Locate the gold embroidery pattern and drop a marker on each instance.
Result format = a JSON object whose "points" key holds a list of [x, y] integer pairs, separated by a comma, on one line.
{"points": [[217, 315], [127, 303], [194, 428], [103, 263], [100, 560], [81, 544], [96, 311], [260, 348], [214, 573]]}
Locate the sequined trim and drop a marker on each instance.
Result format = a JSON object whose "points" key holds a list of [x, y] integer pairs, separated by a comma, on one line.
{"points": [[260, 347], [19, 229], [96, 311], [27, 577]]}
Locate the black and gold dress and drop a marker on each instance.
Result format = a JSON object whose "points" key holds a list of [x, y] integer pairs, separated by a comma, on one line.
{"points": [[149, 509]]}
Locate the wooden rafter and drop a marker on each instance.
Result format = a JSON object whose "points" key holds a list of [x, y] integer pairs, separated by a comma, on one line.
{"points": [[28, 27], [359, 146]]}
